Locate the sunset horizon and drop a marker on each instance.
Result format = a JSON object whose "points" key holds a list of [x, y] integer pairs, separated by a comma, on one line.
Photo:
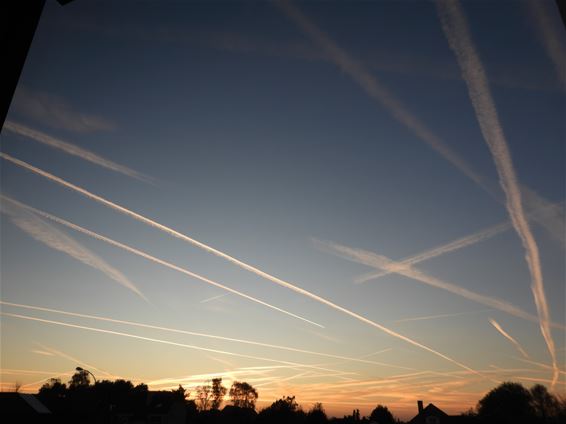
{"points": [[352, 203]]}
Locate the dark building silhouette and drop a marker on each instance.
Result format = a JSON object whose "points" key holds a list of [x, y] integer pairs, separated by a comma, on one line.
{"points": [[434, 415], [23, 408]]}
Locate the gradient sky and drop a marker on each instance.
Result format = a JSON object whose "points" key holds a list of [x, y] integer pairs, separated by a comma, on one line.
{"points": [[252, 127]]}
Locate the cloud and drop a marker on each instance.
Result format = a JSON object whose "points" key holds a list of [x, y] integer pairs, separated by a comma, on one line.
{"points": [[459, 38], [55, 239], [508, 337], [375, 89], [55, 112], [73, 150], [222, 255], [374, 260]]}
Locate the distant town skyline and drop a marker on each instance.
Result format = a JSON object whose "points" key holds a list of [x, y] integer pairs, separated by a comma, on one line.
{"points": [[353, 203]]}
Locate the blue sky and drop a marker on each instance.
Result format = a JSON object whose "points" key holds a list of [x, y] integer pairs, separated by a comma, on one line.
{"points": [[247, 134]]}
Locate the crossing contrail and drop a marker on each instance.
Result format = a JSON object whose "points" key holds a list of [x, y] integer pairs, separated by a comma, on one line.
{"points": [[375, 89], [459, 243], [441, 250], [55, 239], [508, 337], [192, 333], [381, 262], [223, 255], [73, 150], [459, 38], [153, 258]]}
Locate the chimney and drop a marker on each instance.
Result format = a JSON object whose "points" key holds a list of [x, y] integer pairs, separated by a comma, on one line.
{"points": [[420, 404]]}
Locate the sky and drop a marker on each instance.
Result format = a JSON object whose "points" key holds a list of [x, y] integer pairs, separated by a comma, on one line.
{"points": [[356, 203]]}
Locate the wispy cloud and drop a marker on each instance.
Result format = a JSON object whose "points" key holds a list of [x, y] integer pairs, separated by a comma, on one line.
{"points": [[508, 337], [55, 239], [375, 260], [54, 111], [73, 150], [551, 34], [459, 38], [223, 255], [154, 259], [375, 89]]}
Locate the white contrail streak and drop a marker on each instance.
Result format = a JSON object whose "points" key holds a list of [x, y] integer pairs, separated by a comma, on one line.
{"points": [[551, 34], [509, 337], [442, 316], [192, 333], [210, 299], [225, 256], [459, 38], [153, 258], [56, 239], [167, 342], [378, 261], [73, 150], [545, 210], [441, 250], [377, 91]]}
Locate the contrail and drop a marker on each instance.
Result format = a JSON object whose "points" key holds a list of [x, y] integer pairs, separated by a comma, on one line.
{"points": [[74, 150], [75, 360], [210, 299], [551, 35], [167, 342], [460, 243], [378, 261], [508, 337], [375, 89], [459, 38], [441, 250], [224, 256], [442, 316], [56, 239], [192, 333], [153, 258]]}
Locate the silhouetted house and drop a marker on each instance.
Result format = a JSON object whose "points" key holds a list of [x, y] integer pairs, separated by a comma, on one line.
{"points": [[434, 415], [23, 408]]}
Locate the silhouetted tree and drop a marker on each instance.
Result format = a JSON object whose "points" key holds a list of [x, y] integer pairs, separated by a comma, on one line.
{"points": [[80, 379], [284, 410], [508, 403], [545, 404], [203, 397], [53, 394], [316, 414], [381, 415], [218, 393], [210, 396], [243, 395], [180, 393]]}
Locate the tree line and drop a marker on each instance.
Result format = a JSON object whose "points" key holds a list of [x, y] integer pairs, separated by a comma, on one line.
{"points": [[121, 401]]}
